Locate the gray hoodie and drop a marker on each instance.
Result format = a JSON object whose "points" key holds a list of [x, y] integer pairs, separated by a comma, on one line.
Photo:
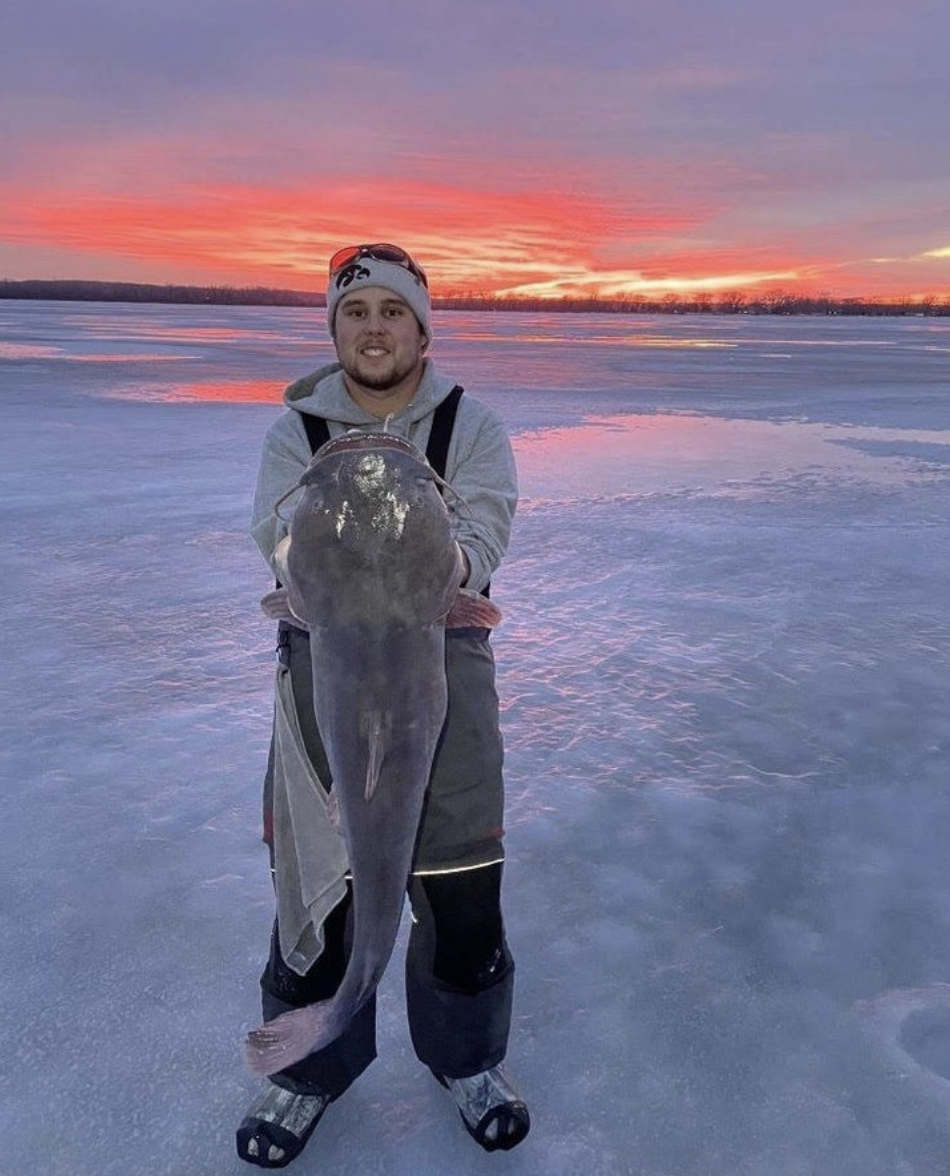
{"points": [[480, 465]]}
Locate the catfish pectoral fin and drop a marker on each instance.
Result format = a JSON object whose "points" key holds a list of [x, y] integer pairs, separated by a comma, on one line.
{"points": [[283, 1041]]}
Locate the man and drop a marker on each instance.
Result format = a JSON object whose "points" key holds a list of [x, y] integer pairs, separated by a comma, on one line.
{"points": [[459, 971]]}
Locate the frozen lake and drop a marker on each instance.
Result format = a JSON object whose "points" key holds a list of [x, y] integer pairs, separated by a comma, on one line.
{"points": [[724, 667]]}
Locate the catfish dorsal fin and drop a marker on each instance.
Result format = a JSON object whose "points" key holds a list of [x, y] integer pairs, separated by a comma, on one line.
{"points": [[374, 753]]}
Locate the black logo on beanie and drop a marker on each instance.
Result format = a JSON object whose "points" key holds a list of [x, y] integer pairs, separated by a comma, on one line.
{"points": [[351, 273]]}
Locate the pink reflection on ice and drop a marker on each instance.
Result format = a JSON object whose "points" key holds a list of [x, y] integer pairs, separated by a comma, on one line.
{"points": [[27, 351], [234, 391], [643, 454], [550, 337], [19, 351], [112, 329], [211, 391], [126, 357]]}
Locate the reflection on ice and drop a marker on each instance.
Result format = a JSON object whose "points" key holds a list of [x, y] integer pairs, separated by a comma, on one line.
{"points": [[107, 328], [551, 336], [24, 351], [214, 391], [10, 350], [639, 454]]}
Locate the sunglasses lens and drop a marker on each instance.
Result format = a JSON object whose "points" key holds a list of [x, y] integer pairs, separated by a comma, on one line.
{"points": [[343, 257], [390, 253], [381, 252]]}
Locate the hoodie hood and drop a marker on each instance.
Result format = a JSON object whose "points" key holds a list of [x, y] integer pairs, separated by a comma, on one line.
{"points": [[323, 393]]}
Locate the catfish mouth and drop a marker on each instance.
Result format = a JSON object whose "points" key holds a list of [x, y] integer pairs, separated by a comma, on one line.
{"points": [[356, 442], [377, 440]]}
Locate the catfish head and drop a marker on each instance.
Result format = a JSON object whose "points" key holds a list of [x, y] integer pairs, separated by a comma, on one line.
{"points": [[370, 539]]}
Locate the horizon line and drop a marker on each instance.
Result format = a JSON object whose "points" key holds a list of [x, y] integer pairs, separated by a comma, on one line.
{"points": [[774, 301]]}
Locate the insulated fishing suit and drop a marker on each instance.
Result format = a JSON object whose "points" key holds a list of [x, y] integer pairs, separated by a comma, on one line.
{"points": [[459, 971]]}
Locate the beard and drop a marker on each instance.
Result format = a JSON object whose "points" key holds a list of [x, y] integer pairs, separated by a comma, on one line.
{"points": [[377, 381], [380, 383]]}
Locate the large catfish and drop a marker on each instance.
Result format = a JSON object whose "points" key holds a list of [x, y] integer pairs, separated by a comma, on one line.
{"points": [[374, 572]]}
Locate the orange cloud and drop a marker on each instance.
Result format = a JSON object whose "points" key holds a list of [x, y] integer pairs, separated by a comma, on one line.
{"points": [[470, 239], [541, 243], [620, 283]]}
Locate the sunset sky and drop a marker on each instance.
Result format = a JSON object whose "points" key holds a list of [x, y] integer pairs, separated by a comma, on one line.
{"points": [[515, 146]]}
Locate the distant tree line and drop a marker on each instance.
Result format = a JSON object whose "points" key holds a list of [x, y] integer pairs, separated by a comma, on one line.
{"points": [[86, 291], [730, 302]]}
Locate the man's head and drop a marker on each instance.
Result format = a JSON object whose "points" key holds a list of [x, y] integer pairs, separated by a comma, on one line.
{"points": [[359, 267]]}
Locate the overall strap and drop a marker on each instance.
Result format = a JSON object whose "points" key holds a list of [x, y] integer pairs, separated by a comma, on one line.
{"points": [[443, 421], [318, 432], [440, 434]]}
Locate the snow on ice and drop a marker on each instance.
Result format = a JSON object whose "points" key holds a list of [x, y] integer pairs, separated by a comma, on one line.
{"points": [[724, 668]]}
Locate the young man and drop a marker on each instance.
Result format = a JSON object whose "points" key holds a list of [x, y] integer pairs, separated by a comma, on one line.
{"points": [[459, 971]]}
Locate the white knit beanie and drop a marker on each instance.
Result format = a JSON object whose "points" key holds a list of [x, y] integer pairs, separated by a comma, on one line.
{"points": [[366, 272]]}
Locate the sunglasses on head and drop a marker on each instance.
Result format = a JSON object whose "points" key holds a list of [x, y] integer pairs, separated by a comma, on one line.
{"points": [[390, 253]]}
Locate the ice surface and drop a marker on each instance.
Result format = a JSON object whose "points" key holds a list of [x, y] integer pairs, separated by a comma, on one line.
{"points": [[724, 670]]}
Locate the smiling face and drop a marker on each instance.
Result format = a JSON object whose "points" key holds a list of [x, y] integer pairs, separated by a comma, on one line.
{"points": [[380, 346]]}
